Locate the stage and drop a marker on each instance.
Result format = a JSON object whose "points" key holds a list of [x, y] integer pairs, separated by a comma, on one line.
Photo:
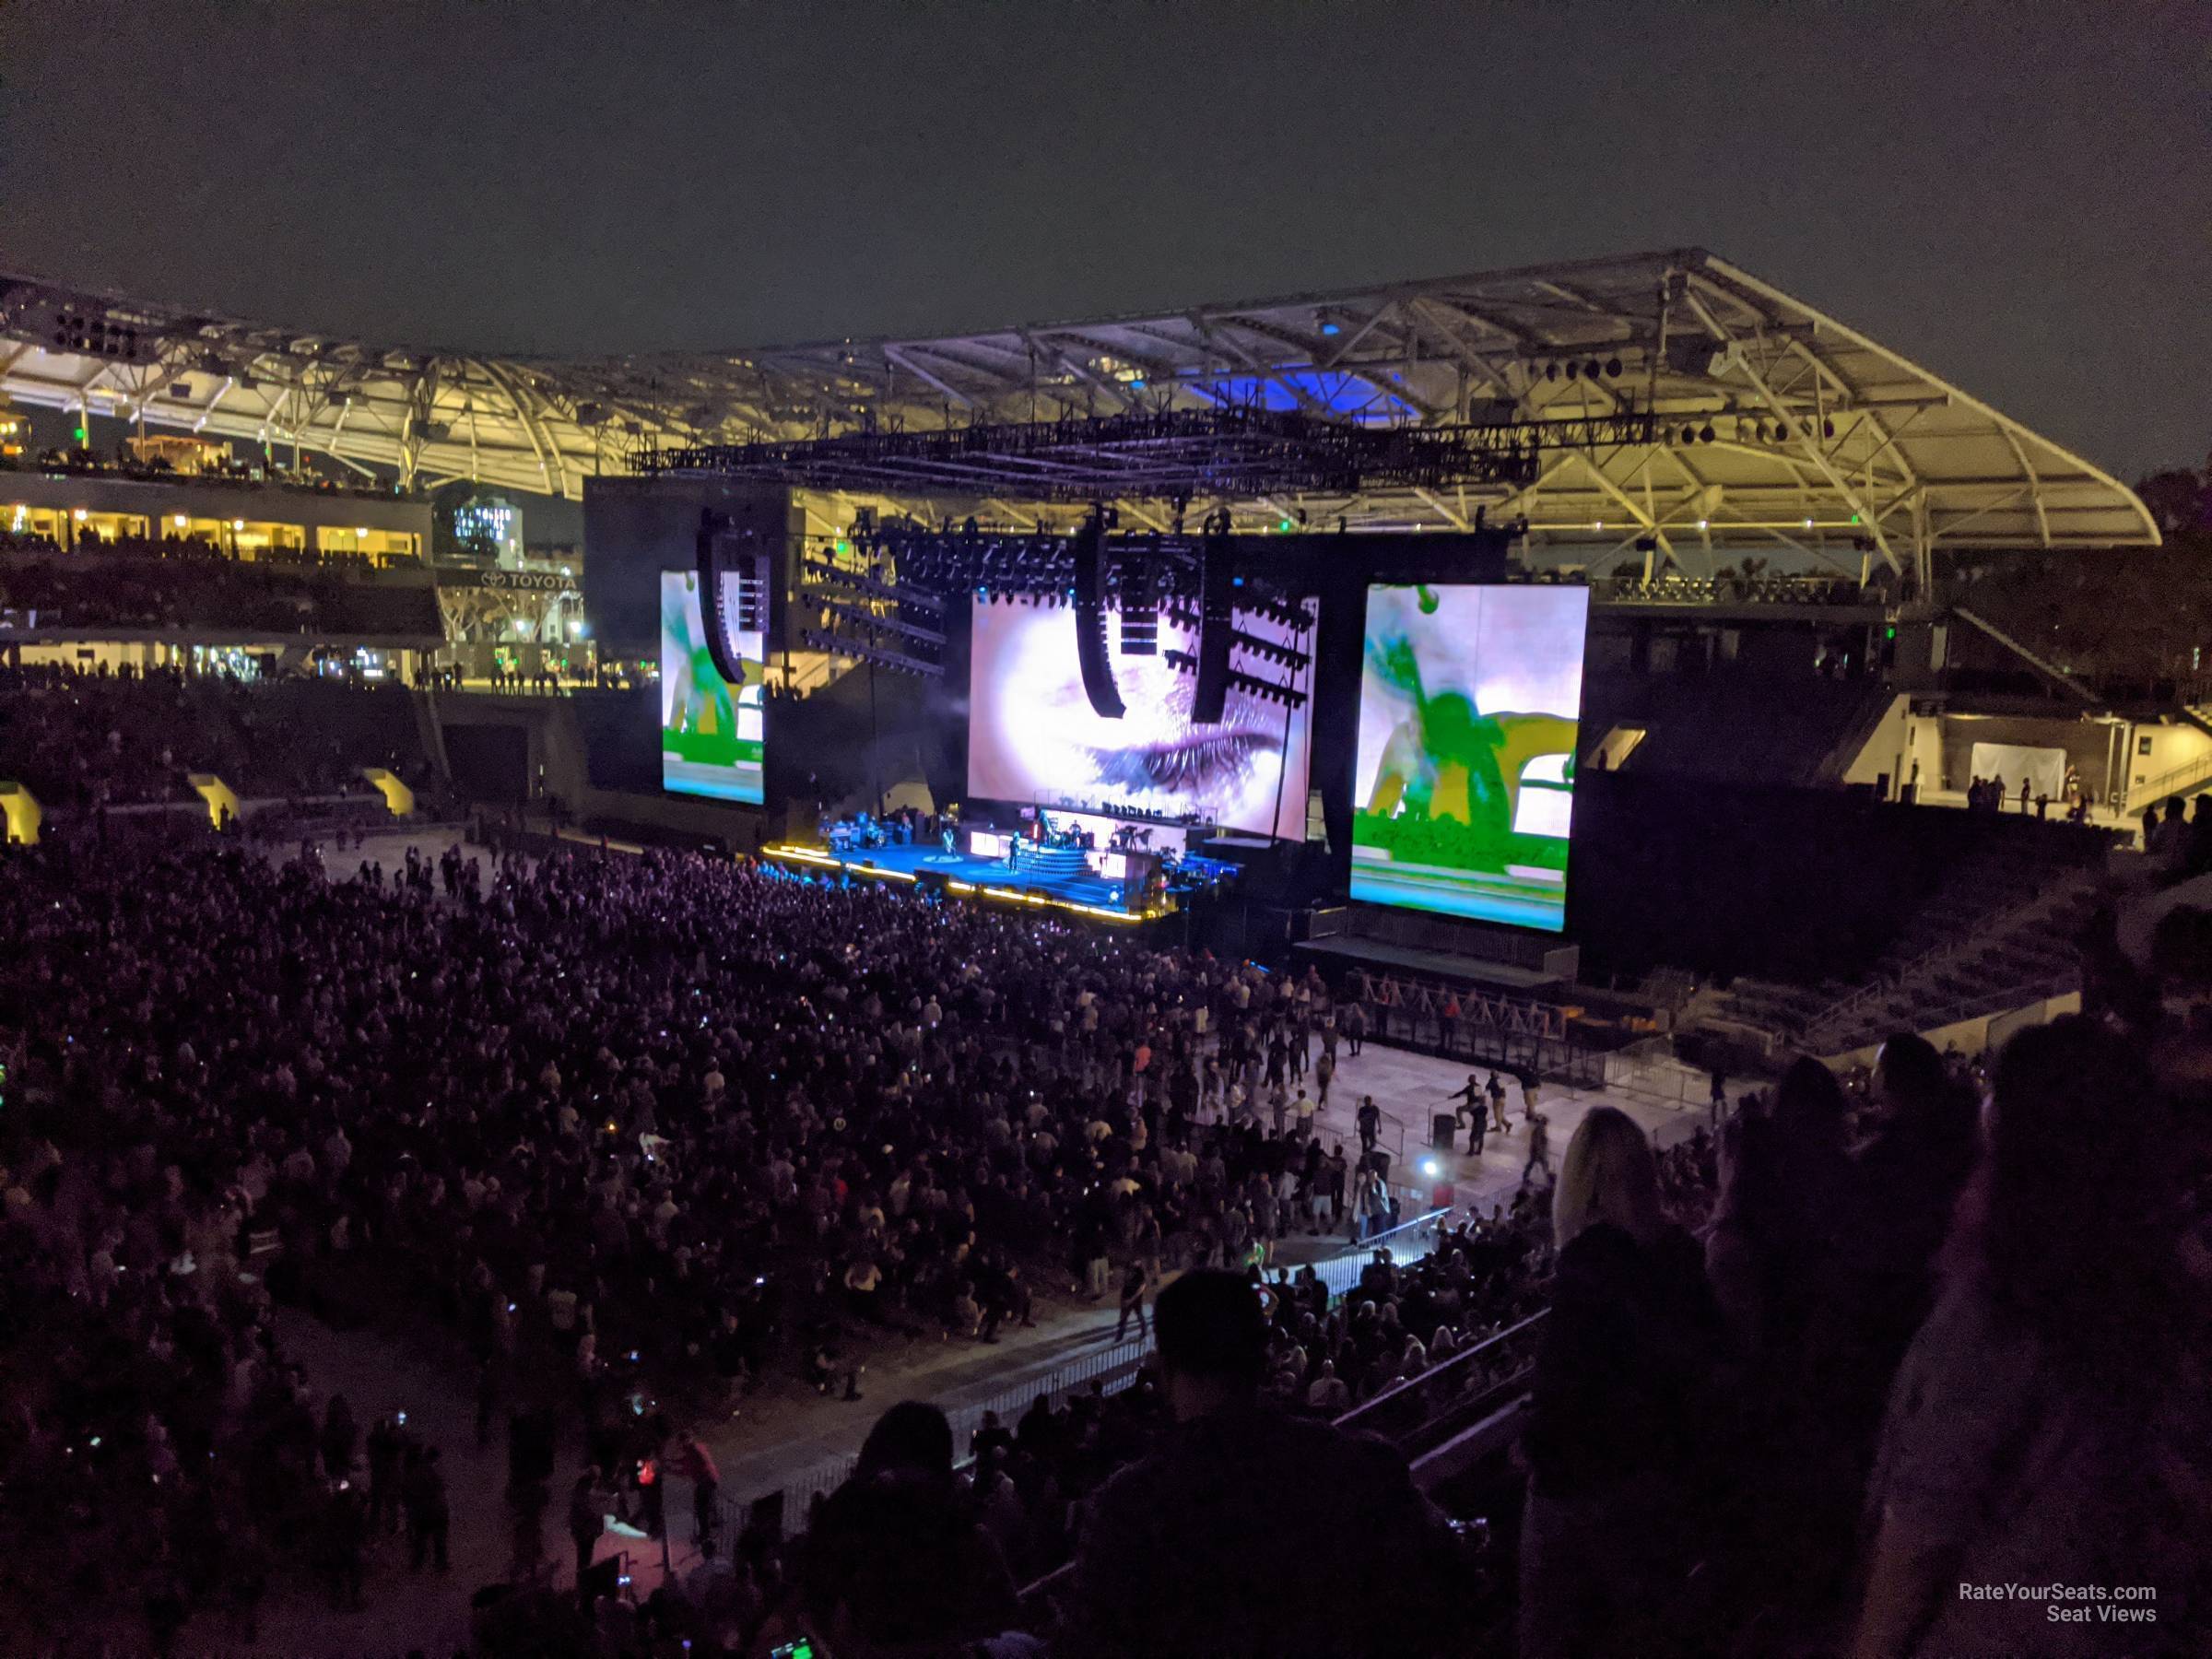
{"points": [[965, 874]]}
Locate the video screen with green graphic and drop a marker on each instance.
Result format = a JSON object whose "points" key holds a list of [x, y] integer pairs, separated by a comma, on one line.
{"points": [[710, 732], [1470, 702]]}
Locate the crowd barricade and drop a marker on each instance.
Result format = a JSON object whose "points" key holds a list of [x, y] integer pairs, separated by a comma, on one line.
{"points": [[1515, 1033], [1479, 1379], [1112, 1369]]}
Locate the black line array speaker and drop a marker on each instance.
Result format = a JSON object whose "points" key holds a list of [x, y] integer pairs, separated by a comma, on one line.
{"points": [[1090, 620], [733, 589], [1217, 591]]}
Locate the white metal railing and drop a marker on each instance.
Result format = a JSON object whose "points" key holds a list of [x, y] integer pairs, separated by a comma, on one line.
{"points": [[1971, 1008], [1116, 1366], [1986, 936], [2178, 781]]}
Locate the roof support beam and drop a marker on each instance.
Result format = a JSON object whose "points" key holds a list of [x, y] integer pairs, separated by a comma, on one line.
{"points": [[905, 360], [1439, 322], [1453, 516], [1641, 515], [1800, 436], [549, 462], [1046, 347]]}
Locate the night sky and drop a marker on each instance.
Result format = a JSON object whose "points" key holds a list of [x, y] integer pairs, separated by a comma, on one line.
{"points": [[2018, 196]]}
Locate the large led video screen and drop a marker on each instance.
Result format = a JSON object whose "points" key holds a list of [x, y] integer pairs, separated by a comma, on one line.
{"points": [[1470, 702], [1032, 734], [710, 735]]}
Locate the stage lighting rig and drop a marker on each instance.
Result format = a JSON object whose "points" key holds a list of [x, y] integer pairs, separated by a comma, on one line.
{"points": [[1266, 691]]}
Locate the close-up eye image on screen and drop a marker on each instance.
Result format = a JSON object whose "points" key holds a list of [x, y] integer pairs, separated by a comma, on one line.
{"points": [[1470, 701], [710, 730], [1033, 735]]}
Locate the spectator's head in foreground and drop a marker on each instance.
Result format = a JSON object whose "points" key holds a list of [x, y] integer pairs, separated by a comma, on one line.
{"points": [[912, 1439], [1213, 1343], [896, 1567], [1609, 1175], [1909, 1074], [2073, 1220]]}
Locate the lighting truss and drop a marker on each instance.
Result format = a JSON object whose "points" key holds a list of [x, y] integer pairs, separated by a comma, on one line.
{"points": [[845, 612], [860, 651], [1183, 661], [1267, 650], [1235, 452], [821, 572]]}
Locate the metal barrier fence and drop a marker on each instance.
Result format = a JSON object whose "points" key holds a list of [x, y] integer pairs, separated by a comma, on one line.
{"points": [[1341, 1271], [1406, 1406], [1114, 1366], [1513, 1033], [1396, 1413]]}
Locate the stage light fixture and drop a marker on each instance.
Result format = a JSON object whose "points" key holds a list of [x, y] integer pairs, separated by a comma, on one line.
{"points": [[1590, 370], [1573, 368], [1613, 367], [1827, 427], [1707, 434], [1551, 371]]}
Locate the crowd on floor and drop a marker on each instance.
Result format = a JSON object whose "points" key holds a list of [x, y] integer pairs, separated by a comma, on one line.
{"points": [[658, 1128], [667, 1122], [80, 738], [178, 583]]}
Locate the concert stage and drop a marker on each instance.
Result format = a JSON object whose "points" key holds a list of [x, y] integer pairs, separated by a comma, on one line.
{"points": [[1077, 889]]}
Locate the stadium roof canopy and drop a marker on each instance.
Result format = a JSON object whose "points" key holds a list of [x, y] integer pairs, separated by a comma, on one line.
{"points": [[1779, 427]]}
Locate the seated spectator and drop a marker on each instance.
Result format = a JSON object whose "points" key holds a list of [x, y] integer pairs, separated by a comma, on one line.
{"points": [[1910, 1175], [1623, 1386], [1788, 1258], [894, 1563], [2048, 1424], [1216, 1542]]}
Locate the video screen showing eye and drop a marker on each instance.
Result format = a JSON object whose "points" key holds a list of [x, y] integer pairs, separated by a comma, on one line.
{"points": [[1033, 735], [1470, 705]]}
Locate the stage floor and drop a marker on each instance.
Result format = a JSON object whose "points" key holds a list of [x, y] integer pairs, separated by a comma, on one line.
{"points": [[1087, 891]]}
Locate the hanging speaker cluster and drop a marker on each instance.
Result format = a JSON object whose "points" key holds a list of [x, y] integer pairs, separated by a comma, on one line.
{"points": [[733, 589], [1090, 620], [1216, 622]]}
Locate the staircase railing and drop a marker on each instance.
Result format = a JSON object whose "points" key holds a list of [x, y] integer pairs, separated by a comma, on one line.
{"points": [[1398, 1414], [2180, 780], [1836, 1016]]}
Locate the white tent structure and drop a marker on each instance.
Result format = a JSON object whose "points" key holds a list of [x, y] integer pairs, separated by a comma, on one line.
{"points": [[1777, 427]]}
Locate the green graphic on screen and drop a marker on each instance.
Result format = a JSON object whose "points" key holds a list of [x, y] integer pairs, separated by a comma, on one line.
{"points": [[710, 730], [1470, 703]]}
